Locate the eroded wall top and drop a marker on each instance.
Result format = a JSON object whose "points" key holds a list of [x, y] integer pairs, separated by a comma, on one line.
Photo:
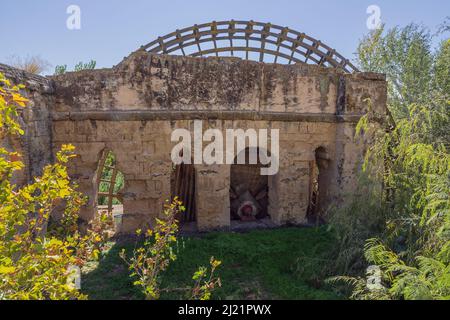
{"points": [[147, 82]]}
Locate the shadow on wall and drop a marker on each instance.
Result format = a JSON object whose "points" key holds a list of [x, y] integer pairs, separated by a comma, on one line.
{"points": [[319, 182], [183, 186]]}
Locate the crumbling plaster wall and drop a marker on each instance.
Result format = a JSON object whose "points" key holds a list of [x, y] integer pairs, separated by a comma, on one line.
{"points": [[35, 144], [132, 109]]}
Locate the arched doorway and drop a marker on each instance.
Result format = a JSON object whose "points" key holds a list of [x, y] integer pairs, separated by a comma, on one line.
{"points": [[110, 181], [183, 186], [319, 183], [249, 190]]}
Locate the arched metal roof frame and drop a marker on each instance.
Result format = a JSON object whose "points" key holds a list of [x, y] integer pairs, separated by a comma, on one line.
{"points": [[291, 45]]}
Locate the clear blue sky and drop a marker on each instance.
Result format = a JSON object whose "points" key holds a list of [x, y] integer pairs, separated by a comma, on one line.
{"points": [[111, 29]]}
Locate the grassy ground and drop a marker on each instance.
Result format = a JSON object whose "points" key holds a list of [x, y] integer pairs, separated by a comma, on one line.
{"points": [[271, 264]]}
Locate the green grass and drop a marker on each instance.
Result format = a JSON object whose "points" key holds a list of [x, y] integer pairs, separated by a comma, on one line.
{"points": [[286, 263]]}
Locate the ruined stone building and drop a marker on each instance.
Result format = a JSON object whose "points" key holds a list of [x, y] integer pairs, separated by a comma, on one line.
{"points": [[298, 85]]}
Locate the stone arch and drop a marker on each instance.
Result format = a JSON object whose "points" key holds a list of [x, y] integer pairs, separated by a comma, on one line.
{"points": [[250, 192], [110, 182], [85, 170]]}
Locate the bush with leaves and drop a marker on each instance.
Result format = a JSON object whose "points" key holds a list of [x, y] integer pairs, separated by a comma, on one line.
{"points": [[34, 263], [80, 66], [405, 56], [60, 69], [153, 258]]}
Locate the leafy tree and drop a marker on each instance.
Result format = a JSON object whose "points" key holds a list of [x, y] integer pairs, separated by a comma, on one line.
{"points": [[410, 159], [441, 68], [405, 56]]}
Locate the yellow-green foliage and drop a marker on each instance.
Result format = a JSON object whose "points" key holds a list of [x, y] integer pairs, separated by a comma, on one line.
{"points": [[153, 258], [34, 264]]}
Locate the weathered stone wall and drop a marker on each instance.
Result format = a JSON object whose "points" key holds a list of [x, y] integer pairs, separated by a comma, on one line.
{"points": [[35, 144], [132, 109], [145, 82]]}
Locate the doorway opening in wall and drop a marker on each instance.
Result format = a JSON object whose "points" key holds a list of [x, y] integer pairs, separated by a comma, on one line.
{"points": [[249, 192], [319, 183], [110, 182], [183, 186]]}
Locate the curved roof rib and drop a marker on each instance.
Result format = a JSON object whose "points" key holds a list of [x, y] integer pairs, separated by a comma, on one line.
{"points": [[264, 42]]}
